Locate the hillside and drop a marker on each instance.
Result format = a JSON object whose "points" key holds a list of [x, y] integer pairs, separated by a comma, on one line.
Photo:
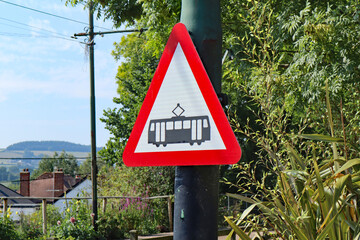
{"points": [[49, 146]]}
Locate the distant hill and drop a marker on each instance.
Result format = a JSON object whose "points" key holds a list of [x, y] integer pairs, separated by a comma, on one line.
{"points": [[53, 146]]}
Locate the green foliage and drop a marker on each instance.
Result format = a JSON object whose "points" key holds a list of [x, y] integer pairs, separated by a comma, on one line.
{"points": [[133, 211], [137, 180], [291, 64], [139, 55], [31, 225], [63, 160], [76, 224], [6, 175], [137, 213], [85, 166], [7, 227], [310, 201], [120, 11]]}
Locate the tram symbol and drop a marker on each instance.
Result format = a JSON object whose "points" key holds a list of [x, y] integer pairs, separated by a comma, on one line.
{"points": [[179, 129]]}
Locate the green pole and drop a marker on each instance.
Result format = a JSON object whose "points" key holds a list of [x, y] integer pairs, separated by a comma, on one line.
{"points": [[197, 187], [92, 116]]}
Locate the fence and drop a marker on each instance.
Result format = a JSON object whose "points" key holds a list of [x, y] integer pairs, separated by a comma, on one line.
{"points": [[228, 205], [44, 202]]}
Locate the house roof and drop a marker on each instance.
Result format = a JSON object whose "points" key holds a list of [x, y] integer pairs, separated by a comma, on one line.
{"points": [[43, 186], [74, 186], [7, 192]]}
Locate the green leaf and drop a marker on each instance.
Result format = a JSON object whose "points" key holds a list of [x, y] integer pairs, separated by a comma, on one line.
{"points": [[238, 230], [296, 156], [339, 187], [240, 197], [348, 164], [229, 236], [300, 235], [246, 212], [324, 203], [357, 237], [331, 226], [321, 137]]}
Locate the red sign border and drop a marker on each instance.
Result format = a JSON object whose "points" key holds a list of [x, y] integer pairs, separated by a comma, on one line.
{"points": [[232, 152]]}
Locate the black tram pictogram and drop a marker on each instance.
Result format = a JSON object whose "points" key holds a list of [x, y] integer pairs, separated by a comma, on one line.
{"points": [[179, 129]]}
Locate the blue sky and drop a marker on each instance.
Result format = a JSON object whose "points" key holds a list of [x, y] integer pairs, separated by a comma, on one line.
{"points": [[44, 80]]}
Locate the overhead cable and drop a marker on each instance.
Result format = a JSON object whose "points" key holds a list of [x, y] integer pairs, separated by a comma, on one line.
{"points": [[50, 14], [41, 35], [27, 25]]}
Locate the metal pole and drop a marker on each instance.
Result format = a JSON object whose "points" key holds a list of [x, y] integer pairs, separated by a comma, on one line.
{"points": [[197, 187], [92, 116]]}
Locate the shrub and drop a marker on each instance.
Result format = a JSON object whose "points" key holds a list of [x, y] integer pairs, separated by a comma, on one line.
{"points": [[29, 229], [76, 224], [131, 213], [7, 227]]}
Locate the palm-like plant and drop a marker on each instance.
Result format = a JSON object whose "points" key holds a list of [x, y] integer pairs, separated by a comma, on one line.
{"points": [[319, 202]]}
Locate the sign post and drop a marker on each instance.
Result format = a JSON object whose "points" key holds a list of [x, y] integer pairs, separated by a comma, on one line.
{"points": [[197, 187], [181, 122]]}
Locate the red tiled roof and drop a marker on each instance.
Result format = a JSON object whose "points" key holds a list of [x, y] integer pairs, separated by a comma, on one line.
{"points": [[43, 186]]}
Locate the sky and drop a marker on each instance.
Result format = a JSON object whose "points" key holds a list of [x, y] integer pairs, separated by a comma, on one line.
{"points": [[44, 74]]}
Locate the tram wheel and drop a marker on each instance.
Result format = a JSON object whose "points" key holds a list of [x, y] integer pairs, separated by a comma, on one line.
{"points": [[198, 143], [157, 145], [191, 143]]}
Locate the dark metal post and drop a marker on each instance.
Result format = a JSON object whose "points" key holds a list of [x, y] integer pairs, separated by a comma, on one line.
{"points": [[92, 113], [197, 187]]}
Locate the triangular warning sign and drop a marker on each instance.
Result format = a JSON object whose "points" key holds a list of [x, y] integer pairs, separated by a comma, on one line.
{"points": [[181, 121]]}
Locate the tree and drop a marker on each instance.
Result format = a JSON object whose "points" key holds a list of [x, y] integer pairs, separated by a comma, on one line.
{"points": [[120, 11], [286, 58], [85, 166], [63, 160]]}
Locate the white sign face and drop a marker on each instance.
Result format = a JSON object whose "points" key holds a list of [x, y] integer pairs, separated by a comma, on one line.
{"points": [[180, 119]]}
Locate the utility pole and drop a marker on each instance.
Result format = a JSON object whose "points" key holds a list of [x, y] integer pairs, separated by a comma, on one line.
{"points": [[91, 34], [197, 187], [92, 117]]}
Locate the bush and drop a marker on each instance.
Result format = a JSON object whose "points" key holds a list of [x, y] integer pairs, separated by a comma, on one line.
{"points": [[131, 213], [76, 223], [31, 225], [135, 212], [7, 227], [29, 229]]}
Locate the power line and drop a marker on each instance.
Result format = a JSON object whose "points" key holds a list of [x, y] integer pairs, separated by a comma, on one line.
{"points": [[27, 25], [50, 14], [60, 36]]}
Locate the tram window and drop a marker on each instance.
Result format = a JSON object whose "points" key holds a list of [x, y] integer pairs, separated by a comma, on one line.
{"points": [[152, 127], [169, 125], [186, 124], [178, 124], [205, 123]]}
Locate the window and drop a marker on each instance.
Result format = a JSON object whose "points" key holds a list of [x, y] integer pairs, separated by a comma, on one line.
{"points": [[152, 127], [186, 124], [169, 125], [205, 123], [178, 125]]}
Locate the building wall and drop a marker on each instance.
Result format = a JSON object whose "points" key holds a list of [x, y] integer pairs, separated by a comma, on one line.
{"points": [[17, 211]]}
